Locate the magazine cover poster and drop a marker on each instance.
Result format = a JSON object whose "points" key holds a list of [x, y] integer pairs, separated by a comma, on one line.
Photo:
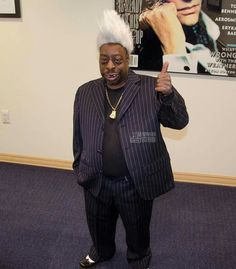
{"points": [[194, 36]]}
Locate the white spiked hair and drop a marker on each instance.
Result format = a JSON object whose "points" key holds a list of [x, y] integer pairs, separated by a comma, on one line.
{"points": [[113, 29]]}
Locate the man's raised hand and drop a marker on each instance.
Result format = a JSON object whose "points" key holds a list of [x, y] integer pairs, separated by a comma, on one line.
{"points": [[164, 85]]}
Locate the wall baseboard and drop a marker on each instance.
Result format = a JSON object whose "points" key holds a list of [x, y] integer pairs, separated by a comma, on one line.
{"points": [[62, 164], [205, 179], [37, 161]]}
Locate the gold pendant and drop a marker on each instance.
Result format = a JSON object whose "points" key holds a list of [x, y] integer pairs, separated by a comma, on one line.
{"points": [[113, 114]]}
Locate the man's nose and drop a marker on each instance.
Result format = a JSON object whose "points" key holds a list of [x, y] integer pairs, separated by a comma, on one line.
{"points": [[110, 64]]}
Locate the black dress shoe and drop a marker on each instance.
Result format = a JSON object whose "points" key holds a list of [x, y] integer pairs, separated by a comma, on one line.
{"points": [[87, 262]]}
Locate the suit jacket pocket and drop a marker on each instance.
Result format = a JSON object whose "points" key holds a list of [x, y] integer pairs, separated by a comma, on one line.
{"points": [[157, 167], [86, 174]]}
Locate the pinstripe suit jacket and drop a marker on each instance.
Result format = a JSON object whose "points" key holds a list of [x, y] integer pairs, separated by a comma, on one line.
{"points": [[142, 111]]}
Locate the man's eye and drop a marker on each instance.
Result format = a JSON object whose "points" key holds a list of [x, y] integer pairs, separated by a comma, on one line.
{"points": [[103, 61], [117, 61]]}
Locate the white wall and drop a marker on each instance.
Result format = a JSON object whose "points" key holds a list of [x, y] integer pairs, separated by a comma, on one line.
{"points": [[50, 51]]}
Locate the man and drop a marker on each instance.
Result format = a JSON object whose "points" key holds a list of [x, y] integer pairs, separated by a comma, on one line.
{"points": [[120, 156], [182, 33]]}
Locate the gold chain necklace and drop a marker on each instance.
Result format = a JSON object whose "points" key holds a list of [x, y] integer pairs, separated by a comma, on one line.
{"points": [[114, 108]]}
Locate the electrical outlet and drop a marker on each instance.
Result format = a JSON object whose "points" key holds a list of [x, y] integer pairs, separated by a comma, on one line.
{"points": [[5, 116]]}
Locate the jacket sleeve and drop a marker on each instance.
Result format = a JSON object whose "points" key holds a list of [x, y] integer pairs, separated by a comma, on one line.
{"points": [[77, 139], [173, 112]]}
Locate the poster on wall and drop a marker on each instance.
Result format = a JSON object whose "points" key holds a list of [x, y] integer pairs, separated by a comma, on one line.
{"points": [[195, 37]]}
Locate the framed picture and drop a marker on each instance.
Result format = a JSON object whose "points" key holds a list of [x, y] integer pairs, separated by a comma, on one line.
{"points": [[10, 9]]}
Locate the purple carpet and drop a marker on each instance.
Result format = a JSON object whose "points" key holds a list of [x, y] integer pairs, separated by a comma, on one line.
{"points": [[43, 226]]}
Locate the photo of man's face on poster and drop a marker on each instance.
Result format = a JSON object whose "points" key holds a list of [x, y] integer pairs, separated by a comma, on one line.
{"points": [[186, 33]]}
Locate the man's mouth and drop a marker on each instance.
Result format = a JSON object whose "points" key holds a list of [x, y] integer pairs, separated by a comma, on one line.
{"points": [[111, 76], [188, 10]]}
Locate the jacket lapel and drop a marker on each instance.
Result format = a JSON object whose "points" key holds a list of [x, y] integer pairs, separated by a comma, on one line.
{"points": [[97, 96], [131, 89]]}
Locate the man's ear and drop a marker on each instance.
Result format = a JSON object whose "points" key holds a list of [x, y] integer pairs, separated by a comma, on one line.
{"points": [[127, 56], [127, 60]]}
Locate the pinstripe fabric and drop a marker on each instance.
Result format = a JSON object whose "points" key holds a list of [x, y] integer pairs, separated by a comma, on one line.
{"points": [[119, 197], [141, 112]]}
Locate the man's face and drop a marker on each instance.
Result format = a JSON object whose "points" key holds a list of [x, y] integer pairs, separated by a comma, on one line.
{"points": [[187, 11], [114, 65]]}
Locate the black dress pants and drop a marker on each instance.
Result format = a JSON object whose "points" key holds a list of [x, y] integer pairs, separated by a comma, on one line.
{"points": [[119, 197]]}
